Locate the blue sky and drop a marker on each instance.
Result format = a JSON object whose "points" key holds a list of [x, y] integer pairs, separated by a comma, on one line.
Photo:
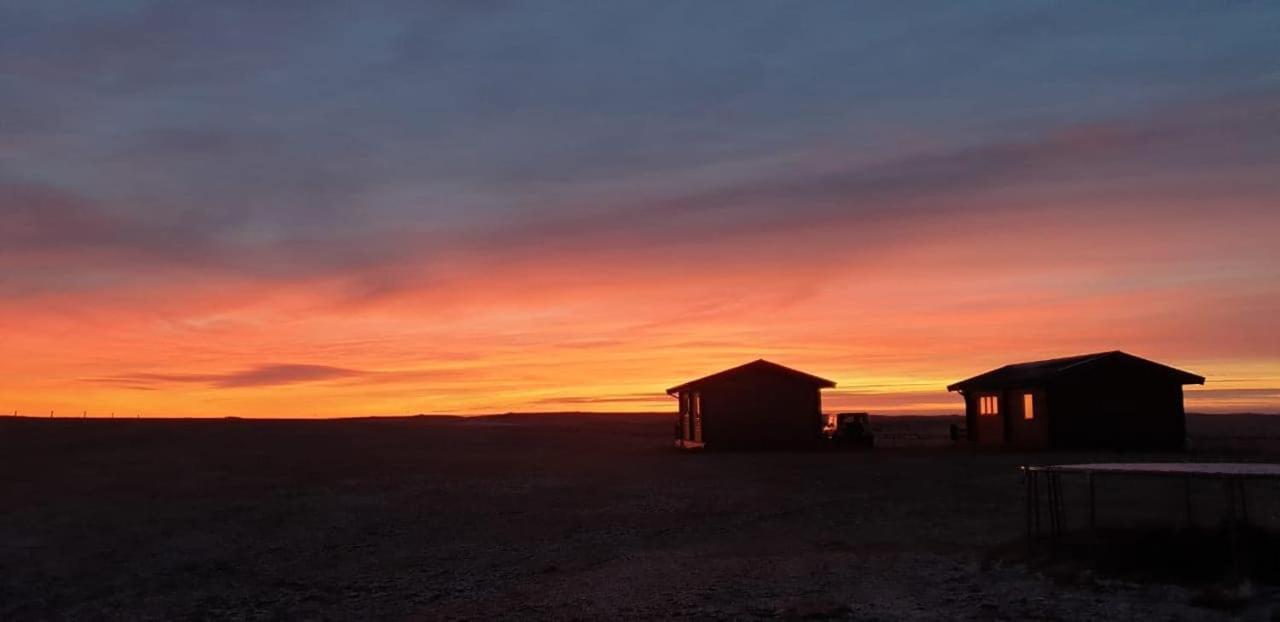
{"points": [[409, 150]]}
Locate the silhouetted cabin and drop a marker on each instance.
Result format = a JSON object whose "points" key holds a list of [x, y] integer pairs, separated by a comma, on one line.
{"points": [[1107, 400], [754, 406]]}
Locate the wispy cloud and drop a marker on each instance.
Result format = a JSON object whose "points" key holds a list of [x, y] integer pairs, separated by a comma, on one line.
{"points": [[631, 398], [263, 376]]}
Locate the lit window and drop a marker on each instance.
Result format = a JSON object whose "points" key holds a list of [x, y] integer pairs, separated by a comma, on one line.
{"points": [[988, 405], [1028, 406]]}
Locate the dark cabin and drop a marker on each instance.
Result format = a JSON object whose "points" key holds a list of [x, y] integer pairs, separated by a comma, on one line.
{"points": [[754, 406], [1107, 400]]}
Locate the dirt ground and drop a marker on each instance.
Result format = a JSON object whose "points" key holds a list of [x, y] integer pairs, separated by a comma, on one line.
{"points": [[559, 517]]}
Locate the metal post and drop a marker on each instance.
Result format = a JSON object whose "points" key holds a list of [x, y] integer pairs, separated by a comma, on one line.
{"points": [[1244, 502], [1230, 489], [1233, 534], [1026, 486], [1093, 507], [1059, 507], [1048, 485], [1035, 488], [1186, 489], [1053, 506]]}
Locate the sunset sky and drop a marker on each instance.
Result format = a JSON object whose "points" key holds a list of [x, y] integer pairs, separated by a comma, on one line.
{"points": [[298, 209]]}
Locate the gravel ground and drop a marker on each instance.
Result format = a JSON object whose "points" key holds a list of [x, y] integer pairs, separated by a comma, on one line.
{"points": [[532, 517]]}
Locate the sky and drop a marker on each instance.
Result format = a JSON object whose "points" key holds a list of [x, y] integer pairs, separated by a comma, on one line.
{"points": [[323, 209]]}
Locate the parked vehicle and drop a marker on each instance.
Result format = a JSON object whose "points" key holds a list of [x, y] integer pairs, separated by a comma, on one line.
{"points": [[851, 430]]}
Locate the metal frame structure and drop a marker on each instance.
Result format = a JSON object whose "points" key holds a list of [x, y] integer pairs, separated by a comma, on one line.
{"points": [[1233, 475]]}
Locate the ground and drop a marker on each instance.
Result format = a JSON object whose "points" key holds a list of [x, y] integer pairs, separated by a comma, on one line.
{"points": [[561, 517]]}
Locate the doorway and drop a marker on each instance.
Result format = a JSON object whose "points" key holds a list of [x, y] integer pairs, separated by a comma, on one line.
{"points": [[990, 419]]}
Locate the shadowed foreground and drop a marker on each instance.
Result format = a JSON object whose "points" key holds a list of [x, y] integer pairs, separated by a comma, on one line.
{"points": [[538, 516]]}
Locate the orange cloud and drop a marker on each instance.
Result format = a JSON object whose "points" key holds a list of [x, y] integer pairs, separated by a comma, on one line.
{"points": [[893, 279]]}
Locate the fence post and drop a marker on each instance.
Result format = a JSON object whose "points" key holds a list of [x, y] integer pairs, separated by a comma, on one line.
{"points": [[1093, 507], [1186, 490]]}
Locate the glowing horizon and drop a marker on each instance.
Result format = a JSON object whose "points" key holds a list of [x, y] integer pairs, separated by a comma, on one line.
{"points": [[247, 212]]}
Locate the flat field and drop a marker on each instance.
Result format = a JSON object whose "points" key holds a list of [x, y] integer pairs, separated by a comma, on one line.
{"points": [[546, 516]]}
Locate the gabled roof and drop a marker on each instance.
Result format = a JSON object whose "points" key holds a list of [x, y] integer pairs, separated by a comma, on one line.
{"points": [[1036, 372], [759, 365]]}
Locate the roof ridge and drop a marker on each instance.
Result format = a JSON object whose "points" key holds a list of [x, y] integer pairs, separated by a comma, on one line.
{"points": [[1088, 358], [1040, 370], [760, 361]]}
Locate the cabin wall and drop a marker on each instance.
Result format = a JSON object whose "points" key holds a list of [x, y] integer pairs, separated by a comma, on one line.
{"points": [[1177, 428], [686, 426], [761, 412], [971, 417], [680, 417], [1025, 432], [1118, 412]]}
